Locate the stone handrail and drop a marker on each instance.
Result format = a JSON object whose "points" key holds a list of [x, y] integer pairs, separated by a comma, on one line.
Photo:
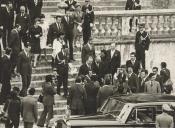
{"points": [[116, 23]]}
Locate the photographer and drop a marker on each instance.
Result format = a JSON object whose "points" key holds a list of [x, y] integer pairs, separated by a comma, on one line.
{"points": [[120, 81]]}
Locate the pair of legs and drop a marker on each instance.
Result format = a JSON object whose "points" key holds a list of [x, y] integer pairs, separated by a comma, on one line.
{"points": [[14, 60], [48, 111], [26, 80], [140, 56], [69, 39], [28, 125], [62, 80]]}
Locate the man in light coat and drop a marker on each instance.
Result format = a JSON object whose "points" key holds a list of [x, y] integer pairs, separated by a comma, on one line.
{"points": [[164, 120], [29, 110]]}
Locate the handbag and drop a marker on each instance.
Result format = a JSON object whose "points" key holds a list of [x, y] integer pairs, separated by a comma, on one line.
{"points": [[40, 98]]}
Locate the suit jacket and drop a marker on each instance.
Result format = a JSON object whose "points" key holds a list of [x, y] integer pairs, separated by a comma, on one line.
{"points": [[70, 3], [62, 68], [129, 5], [31, 4], [68, 25], [87, 17], [142, 84], [15, 41], [77, 97], [91, 91], [103, 94], [6, 67], [24, 64], [133, 83], [165, 74], [14, 109], [114, 61], [48, 94], [86, 52], [53, 32], [29, 109], [164, 120], [24, 21], [7, 18], [152, 87], [142, 45], [136, 66], [84, 70]]}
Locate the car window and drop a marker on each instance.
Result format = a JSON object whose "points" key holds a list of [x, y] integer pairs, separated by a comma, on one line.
{"points": [[142, 115]]}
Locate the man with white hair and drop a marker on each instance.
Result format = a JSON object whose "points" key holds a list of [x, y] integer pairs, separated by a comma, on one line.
{"points": [[164, 120]]}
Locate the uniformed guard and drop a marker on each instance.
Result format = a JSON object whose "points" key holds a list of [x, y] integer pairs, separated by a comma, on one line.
{"points": [[164, 120], [142, 43]]}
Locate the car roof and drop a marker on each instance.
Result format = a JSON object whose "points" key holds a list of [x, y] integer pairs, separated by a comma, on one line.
{"points": [[142, 97]]}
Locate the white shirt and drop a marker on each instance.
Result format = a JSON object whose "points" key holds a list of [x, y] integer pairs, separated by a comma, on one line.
{"points": [[57, 45], [112, 53]]}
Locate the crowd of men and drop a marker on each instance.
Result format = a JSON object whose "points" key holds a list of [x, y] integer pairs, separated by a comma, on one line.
{"points": [[23, 31]]}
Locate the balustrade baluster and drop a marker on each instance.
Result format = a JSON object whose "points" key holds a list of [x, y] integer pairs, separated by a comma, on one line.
{"points": [[107, 26], [154, 25], [166, 24], [101, 27], [160, 24], [172, 27], [148, 23], [114, 26], [94, 29]]}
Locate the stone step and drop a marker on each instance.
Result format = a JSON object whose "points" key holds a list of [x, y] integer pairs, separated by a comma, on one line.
{"points": [[39, 70], [38, 83]]}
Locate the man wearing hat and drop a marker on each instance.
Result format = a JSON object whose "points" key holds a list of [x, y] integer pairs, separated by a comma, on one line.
{"points": [[142, 42], [24, 67], [54, 30], [164, 120]]}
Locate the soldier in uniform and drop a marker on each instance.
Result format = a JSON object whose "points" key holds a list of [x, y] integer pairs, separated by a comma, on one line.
{"points": [[164, 120], [142, 42]]}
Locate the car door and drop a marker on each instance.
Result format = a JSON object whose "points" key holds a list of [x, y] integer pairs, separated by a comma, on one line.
{"points": [[142, 117]]}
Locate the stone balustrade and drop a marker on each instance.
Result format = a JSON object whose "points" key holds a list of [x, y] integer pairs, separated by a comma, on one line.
{"points": [[116, 23]]}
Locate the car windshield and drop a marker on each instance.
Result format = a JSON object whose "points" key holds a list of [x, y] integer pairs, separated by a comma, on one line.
{"points": [[112, 106]]}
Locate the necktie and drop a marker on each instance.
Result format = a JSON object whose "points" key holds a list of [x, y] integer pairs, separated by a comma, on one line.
{"points": [[67, 18]]}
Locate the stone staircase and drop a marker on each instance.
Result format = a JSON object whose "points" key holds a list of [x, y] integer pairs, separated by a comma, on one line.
{"points": [[38, 77]]}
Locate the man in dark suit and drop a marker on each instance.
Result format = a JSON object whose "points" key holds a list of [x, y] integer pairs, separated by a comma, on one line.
{"points": [[133, 62], [142, 42], [142, 79], [15, 45], [132, 81], [68, 26], [77, 98], [114, 59], [7, 21], [29, 109], [165, 72], [5, 76], [88, 20], [70, 4], [24, 68], [87, 50], [34, 7], [62, 68], [54, 30], [18, 3], [104, 92], [23, 19], [86, 67]]}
